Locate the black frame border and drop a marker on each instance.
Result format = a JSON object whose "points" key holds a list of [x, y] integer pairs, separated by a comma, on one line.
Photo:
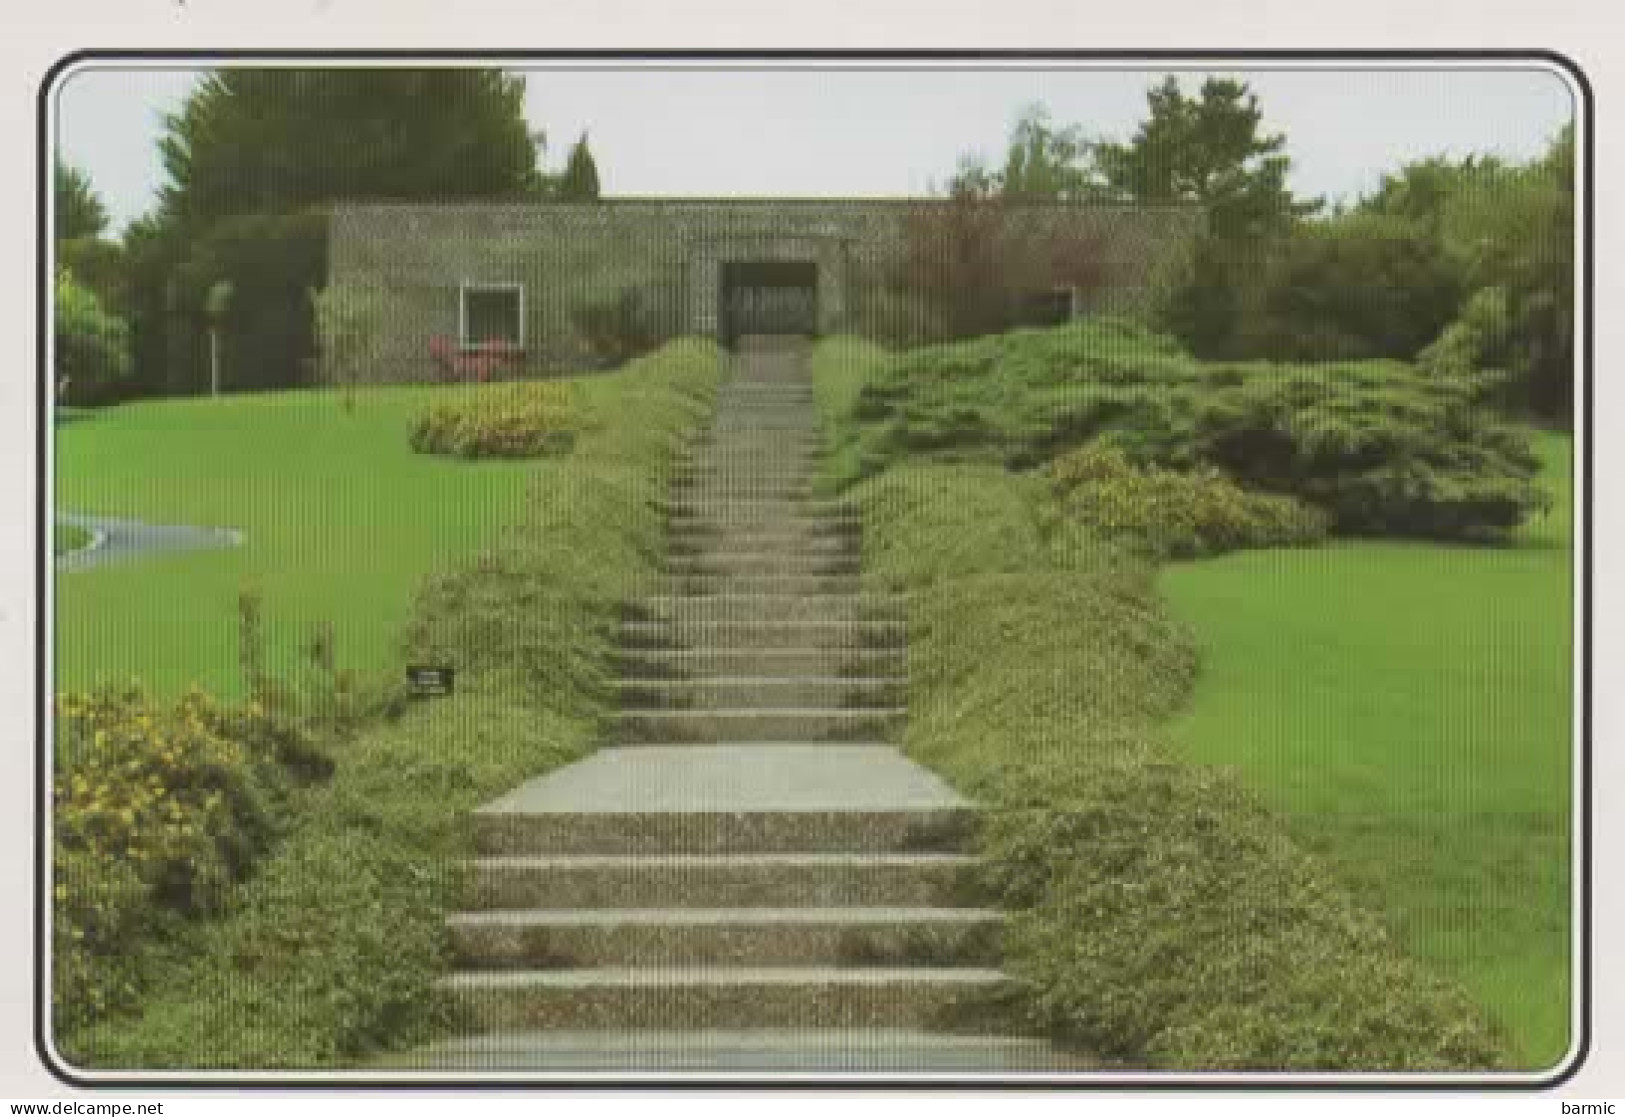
{"points": [[1151, 58]]}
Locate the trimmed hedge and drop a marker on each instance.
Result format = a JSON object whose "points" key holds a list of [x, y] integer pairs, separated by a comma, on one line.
{"points": [[1159, 916], [1381, 447]]}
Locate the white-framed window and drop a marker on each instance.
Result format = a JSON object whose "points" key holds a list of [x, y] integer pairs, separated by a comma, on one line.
{"points": [[490, 312]]}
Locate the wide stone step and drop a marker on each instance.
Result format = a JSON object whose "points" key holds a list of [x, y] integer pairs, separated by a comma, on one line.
{"points": [[750, 417], [816, 798], [764, 414], [753, 1051], [747, 692], [552, 939], [763, 634], [707, 558], [713, 585], [684, 467], [734, 997], [758, 512], [755, 440], [769, 463], [766, 456], [724, 489], [856, 830], [790, 446], [758, 725], [704, 662], [786, 537], [722, 880], [750, 607], [691, 488], [790, 388]]}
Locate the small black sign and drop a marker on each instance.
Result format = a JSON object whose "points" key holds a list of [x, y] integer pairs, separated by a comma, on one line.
{"points": [[430, 682]]}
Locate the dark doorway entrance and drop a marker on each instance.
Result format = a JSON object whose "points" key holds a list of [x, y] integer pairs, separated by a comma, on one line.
{"points": [[768, 297]]}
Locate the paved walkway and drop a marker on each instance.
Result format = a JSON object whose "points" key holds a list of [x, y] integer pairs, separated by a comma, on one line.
{"points": [[754, 877], [115, 541]]}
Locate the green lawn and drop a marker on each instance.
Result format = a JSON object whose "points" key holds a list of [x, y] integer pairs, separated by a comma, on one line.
{"points": [[341, 520], [66, 537], [331, 950], [1408, 708]]}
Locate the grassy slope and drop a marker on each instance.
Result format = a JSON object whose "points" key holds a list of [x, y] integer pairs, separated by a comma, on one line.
{"points": [[333, 947], [1408, 708], [1161, 917], [341, 520]]}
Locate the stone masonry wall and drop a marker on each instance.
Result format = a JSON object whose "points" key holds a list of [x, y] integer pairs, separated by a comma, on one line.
{"points": [[672, 252]]}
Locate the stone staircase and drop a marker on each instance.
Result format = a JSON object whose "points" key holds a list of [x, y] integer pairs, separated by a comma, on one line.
{"points": [[752, 876]]}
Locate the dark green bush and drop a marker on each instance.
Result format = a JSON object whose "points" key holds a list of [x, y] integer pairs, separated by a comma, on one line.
{"points": [[1384, 448], [1176, 514], [1381, 447], [1354, 287]]}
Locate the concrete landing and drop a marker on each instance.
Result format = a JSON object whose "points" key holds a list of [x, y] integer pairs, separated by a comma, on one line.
{"points": [[739, 778]]}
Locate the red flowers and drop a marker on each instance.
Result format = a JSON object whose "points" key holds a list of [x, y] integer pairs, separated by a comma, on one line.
{"points": [[480, 361]]}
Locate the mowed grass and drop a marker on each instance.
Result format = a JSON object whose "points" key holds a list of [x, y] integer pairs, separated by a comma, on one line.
{"points": [[1408, 709], [67, 537], [341, 520]]}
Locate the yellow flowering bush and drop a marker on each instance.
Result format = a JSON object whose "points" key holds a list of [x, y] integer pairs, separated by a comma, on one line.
{"points": [[157, 811], [1176, 514], [506, 421]]}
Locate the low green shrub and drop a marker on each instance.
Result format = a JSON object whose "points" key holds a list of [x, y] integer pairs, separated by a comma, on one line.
{"points": [[157, 812], [1213, 941], [332, 951], [1159, 915], [1381, 447], [511, 421], [1176, 514]]}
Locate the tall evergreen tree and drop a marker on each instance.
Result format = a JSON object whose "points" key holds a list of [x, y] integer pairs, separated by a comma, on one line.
{"points": [[78, 211], [580, 182], [1209, 150], [273, 140]]}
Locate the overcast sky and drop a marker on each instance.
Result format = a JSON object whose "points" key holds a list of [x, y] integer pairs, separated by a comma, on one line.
{"points": [[886, 133]]}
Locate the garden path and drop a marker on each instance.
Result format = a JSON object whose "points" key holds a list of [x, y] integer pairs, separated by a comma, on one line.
{"points": [[752, 877]]}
